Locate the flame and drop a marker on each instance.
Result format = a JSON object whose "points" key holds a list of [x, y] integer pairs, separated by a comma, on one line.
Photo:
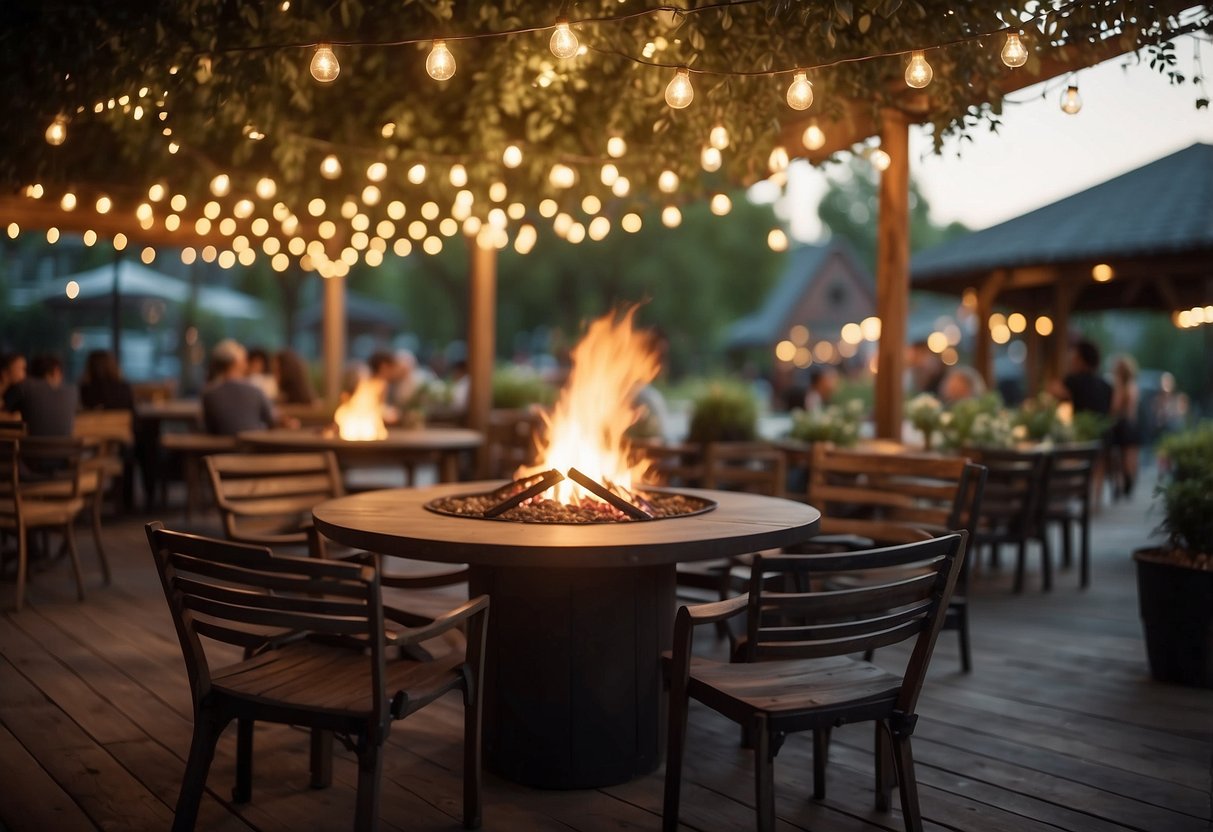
{"points": [[586, 429], [361, 419]]}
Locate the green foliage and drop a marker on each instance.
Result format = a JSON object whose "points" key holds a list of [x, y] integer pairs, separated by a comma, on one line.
{"points": [[1038, 418], [1187, 498], [1088, 427], [724, 412], [977, 422], [838, 424], [1189, 453], [515, 387]]}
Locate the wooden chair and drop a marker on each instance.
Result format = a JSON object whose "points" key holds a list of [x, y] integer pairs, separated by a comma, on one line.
{"points": [[109, 433], [678, 465], [1067, 500], [312, 630], [1011, 509], [797, 676], [192, 448], [756, 467], [40, 489]]}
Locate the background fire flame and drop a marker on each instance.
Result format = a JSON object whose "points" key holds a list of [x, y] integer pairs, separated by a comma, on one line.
{"points": [[361, 418], [587, 428]]}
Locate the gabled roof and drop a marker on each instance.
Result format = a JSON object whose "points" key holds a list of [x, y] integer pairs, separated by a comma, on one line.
{"points": [[1165, 207], [767, 325]]}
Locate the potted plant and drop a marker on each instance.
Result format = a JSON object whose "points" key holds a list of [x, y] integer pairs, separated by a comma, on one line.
{"points": [[925, 413], [838, 424], [725, 412], [1175, 580]]}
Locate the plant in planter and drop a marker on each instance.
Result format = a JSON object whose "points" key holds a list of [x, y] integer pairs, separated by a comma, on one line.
{"points": [[838, 424], [926, 414], [1175, 581], [725, 412]]}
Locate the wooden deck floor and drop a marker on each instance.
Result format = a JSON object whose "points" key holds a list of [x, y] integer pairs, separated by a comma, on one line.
{"points": [[1058, 728]]}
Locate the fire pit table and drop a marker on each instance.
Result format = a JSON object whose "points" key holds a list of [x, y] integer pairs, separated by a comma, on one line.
{"points": [[403, 446], [579, 616]]}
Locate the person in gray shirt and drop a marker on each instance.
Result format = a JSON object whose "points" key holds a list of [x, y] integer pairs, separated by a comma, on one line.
{"points": [[46, 404], [230, 404]]}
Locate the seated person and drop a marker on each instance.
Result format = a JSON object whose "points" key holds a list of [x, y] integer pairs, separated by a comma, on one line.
{"points": [[45, 403], [102, 387], [12, 373], [230, 404], [961, 383], [260, 374], [823, 384], [294, 385]]}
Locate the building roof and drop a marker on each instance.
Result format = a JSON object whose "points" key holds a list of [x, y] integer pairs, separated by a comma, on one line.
{"points": [[1163, 208], [768, 323], [361, 312]]}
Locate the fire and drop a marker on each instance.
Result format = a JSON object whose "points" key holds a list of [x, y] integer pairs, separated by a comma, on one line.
{"points": [[586, 429], [361, 419]]}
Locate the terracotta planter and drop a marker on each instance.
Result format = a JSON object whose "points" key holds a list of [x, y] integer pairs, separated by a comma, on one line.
{"points": [[1176, 603]]}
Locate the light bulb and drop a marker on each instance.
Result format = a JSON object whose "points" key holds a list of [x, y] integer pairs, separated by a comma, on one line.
{"points": [[814, 137], [721, 204], [918, 73], [609, 174], [778, 160], [330, 167], [511, 157], [667, 182], [441, 63], [221, 185], [679, 93], [710, 159], [68, 202], [56, 134], [416, 174], [458, 176], [621, 186], [616, 147], [563, 43], [719, 137], [377, 172], [1014, 53], [800, 93], [880, 159], [266, 188], [325, 67], [671, 217], [562, 176], [1071, 101], [777, 239]]}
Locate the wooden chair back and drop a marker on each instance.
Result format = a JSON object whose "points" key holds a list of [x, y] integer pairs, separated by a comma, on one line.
{"points": [[11, 426], [892, 498], [10, 495], [1013, 493], [1068, 474], [267, 499], [902, 593], [677, 464], [756, 467], [153, 391], [109, 426], [510, 440], [245, 596], [49, 466]]}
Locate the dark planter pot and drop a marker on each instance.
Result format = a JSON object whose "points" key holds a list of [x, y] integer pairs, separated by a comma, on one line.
{"points": [[1176, 605]]}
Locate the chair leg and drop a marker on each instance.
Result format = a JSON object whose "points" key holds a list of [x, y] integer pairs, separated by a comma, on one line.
{"points": [[962, 632], [1046, 561], [1084, 528], [370, 771], [105, 564], [1067, 544], [69, 540], [321, 758], [22, 564], [473, 765], [903, 756], [885, 767], [821, 756], [1021, 557], [676, 738], [243, 792], [207, 728], [764, 776]]}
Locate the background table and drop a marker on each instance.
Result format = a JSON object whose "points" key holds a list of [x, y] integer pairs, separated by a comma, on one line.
{"points": [[579, 616], [403, 447]]}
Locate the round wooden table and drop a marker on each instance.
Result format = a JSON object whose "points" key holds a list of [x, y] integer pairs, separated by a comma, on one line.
{"points": [[579, 616], [405, 447]]}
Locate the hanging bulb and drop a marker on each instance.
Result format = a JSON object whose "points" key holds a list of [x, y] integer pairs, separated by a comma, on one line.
{"points": [[221, 185], [778, 161], [266, 188], [671, 217], [330, 167], [563, 43], [325, 67], [667, 182], [609, 174], [719, 137], [441, 63], [721, 204], [616, 147], [918, 73], [710, 159], [880, 159], [56, 134], [1014, 53], [458, 176], [511, 157], [1071, 101], [814, 137], [800, 93], [679, 93], [562, 176]]}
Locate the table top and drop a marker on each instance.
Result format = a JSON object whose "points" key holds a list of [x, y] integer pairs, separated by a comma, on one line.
{"points": [[396, 522], [170, 410], [423, 439]]}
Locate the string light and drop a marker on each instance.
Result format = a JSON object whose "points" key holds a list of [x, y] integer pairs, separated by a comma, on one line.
{"points": [[609, 174], [671, 217], [458, 176], [562, 176], [710, 159], [68, 202], [104, 204], [918, 72], [330, 167], [880, 159], [56, 133], [564, 43], [800, 93], [221, 185], [616, 147], [721, 204], [621, 187], [1071, 101], [325, 67], [778, 161], [440, 64], [667, 182], [266, 188], [814, 137], [777, 240], [511, 157], [1014, 53], [377, 172], [679, 93], [416, 174], [719, 137]]}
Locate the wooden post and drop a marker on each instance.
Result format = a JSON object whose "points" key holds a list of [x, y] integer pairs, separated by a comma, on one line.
{"points": [[983, 346], [892, 273], [1034, 366], [116, 310], [334, 337], [482, 340], [1065, 292]]}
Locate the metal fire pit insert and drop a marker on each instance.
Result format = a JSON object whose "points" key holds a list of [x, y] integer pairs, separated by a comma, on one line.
{"points": [[521, 501]]}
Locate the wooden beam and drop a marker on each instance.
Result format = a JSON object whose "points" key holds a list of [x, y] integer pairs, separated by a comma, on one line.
{"points": [[983, 347], [481, 340], [334, 337], [892, 273]]}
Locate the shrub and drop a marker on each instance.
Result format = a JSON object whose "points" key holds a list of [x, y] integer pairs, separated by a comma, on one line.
{"points": [[725, 412]]}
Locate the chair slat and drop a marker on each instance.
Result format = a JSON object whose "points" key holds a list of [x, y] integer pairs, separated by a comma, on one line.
{"points": [[229, 635], [266, 579], [841, 629], [334, 625], [842, 646], [852, 601], [261, 600]]}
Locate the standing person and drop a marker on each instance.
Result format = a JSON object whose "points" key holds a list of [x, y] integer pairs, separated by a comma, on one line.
{"points": [[1126, 433], [47, 405], [1083, 387], [230, 404], [294, 384]]}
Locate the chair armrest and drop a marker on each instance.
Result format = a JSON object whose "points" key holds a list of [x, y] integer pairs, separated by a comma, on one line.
{"points": [[715, 611], [443, 623]]}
